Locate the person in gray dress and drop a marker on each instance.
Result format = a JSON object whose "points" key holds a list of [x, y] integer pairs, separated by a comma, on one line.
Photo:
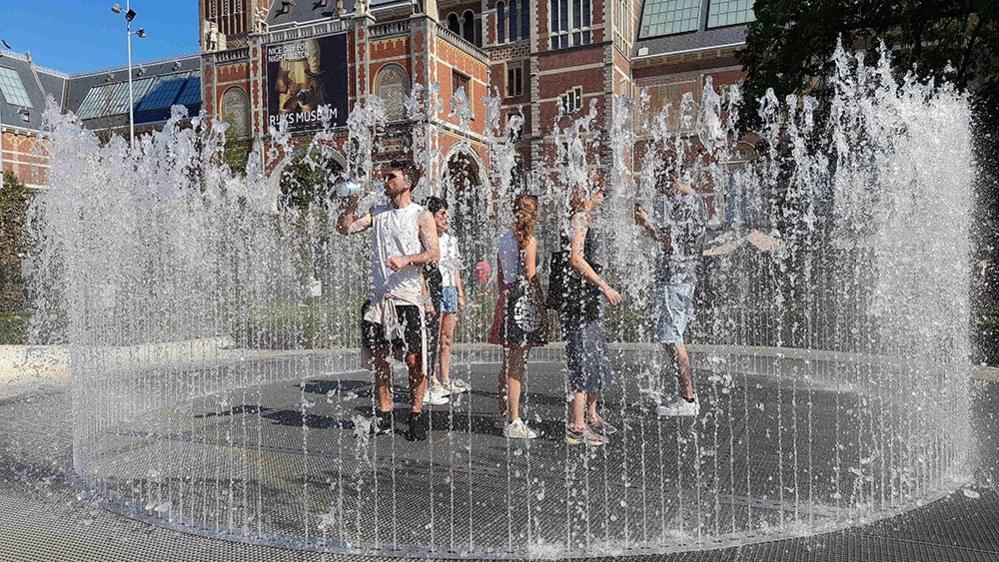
{"points": [[582, 318]]}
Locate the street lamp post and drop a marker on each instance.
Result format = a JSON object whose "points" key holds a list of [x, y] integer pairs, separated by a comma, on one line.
{"points": [[141, 33]]}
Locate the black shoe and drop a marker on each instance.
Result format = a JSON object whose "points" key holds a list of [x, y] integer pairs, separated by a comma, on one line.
{"points": [[381, 424], [418, 426]]}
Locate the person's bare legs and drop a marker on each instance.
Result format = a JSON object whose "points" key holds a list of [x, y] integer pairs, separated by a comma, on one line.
{"points": [[448, 323], [514, 381], [417, 382], [680, 363], [501, 389], [579, 400], [383, 381]]}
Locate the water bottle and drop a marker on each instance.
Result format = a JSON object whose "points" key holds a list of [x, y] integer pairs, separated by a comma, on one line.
{"points": [[352, 187]]}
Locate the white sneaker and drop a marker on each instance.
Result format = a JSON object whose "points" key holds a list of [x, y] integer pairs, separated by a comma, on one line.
{"points": [[439, 389], [517, 429], [678, 406], [435, 397], [456, 385]]}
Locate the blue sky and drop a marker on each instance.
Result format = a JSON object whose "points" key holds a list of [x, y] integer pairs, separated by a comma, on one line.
{"points": [[81, 35]]}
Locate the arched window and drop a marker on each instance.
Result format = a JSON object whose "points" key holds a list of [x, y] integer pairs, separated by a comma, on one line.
{"points": [[468, 26], [391, 86], [501, 22], [452, 23], [514, 34], [236, 112]]}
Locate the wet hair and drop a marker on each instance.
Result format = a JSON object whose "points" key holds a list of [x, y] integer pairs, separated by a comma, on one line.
{"points": [[525, 214], [406, 167], [434, 204]]}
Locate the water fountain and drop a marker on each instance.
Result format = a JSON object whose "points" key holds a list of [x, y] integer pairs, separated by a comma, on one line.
{"points": [[213, 331]]}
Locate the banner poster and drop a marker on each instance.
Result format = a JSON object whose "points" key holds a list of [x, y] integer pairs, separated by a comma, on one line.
{"points": [[307, 83]]}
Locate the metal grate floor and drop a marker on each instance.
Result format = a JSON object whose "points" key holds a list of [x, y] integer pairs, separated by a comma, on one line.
{"points": [[45, 522], [42, 518]]}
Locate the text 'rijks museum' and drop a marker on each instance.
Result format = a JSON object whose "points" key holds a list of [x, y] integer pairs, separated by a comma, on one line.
{"points": [[310, 61]]}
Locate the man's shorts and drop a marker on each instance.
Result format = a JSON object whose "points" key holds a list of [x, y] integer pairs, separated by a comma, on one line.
{"points": [[449, 301], [373, 335], [674, 301]]}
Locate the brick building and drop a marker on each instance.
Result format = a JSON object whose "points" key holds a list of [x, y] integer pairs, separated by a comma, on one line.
{"points": [[263, 58], [99, 99], [24, 87], [536, 54]]}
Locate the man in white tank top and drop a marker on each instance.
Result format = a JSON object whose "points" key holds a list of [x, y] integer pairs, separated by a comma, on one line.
{"points": [[403, 240]]}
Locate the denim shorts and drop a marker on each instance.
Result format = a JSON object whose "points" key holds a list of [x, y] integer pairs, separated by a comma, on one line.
{"points": [[674, 302], [449, 301], [586, 356]]}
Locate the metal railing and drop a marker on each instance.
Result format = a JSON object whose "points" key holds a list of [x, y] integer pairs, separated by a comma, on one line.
{"points": [[463, 44]]}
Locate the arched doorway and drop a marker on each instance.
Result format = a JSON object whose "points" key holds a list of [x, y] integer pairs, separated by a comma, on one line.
{"points": [[466, 194]]}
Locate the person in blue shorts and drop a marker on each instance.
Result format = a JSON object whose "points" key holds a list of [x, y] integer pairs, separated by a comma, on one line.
{"points": [[450, 301], [678, 225]]}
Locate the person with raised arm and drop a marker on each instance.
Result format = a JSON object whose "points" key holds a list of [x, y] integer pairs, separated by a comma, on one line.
{"points": [[678, 226], [403, 240]]}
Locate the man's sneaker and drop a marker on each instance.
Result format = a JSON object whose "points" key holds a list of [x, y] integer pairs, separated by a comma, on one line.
{"points": [[381, 424], [678, 406], [456, 386], [517, 429], [602, 427], [588, 437], [435, 396], [418, 426]]}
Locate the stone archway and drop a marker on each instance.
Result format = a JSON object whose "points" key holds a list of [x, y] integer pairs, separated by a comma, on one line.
{"points": [[467, 195]]}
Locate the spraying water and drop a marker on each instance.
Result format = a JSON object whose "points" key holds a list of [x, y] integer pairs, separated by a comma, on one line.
{"points": [[212, 319]]}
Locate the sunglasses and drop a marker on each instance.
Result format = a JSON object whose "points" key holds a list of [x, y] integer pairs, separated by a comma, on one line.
{"points": [[390, 176]]}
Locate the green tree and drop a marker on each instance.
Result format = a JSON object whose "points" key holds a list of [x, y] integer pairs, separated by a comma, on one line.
{"points": [[789, 49], [14, 201], [235, 155], [789, 46]]}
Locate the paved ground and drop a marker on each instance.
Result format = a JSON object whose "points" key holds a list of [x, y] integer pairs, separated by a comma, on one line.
{"points": [[265, 482]]}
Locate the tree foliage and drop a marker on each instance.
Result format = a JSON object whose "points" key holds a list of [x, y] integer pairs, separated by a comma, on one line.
{"points": [[303, 183], [14, 200], [789, 46], [236, 153], [789, 49]]}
